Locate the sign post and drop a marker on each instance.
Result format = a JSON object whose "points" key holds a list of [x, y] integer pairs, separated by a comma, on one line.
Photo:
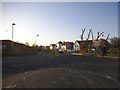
{"points": [[56, 52]]}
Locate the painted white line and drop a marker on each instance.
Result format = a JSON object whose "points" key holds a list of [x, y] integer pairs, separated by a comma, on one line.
{"points": [[69, 70], [24, 78], [11, 85], [108, 77]]}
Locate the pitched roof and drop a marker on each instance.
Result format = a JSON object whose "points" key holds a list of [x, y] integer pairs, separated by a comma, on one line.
{"points": [[53, 45], [60, 42], [67, 43], [78, 41]]}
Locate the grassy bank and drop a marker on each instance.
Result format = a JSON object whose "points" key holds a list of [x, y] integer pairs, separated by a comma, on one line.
{"points": [[98, 53]]}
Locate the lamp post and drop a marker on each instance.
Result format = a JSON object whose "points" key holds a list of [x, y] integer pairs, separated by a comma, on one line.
{"points": [[36, 39], [12, 37], [13, 29]]}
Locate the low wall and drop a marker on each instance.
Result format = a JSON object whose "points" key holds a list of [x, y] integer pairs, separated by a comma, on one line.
{"points": [[12, 48]]}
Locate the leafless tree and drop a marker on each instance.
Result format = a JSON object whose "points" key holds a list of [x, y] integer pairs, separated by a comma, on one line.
{"points": [[27, 43], [108, 37], [115, 42], [83, 30], [99, 34], [89, 34]]}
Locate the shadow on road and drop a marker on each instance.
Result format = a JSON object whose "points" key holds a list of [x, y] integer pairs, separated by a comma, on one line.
{"points": [[15, 65]]}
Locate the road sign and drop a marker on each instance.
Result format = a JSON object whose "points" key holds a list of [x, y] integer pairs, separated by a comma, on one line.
{"points": [[56, 52]]}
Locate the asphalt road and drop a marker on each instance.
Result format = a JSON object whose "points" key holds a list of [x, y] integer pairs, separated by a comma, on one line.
{"points": [[65, 70]]}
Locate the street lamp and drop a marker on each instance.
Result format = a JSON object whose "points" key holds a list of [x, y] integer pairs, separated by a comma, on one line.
{"points": [[12, 38], [36, 39], [12, 29]]}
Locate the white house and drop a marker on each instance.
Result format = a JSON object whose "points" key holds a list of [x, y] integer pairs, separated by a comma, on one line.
{"points": [[76, 46], [67, 46], [59, 46], [53, 46]]}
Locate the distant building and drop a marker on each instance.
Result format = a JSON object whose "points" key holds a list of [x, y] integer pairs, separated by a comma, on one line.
{"points": [[76, 46], [100, 43], [53, 46], [86, 45], [67, 46], [89, 45], [59, 45], [47, 47]]}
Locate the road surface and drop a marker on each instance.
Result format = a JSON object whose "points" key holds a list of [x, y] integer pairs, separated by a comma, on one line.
{"points": [[45, 70]]}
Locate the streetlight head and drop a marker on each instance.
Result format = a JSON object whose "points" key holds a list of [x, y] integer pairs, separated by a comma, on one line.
{"points": [[13, 24], [37, 35]]}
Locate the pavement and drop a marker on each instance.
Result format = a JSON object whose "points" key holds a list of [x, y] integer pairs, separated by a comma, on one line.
{"points": [[46, 70], [59, 78]]}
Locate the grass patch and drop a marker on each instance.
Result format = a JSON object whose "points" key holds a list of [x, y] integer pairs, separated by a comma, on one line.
{"points": [[99, 53]]}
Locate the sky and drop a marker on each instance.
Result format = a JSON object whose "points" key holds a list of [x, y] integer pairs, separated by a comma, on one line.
{"points": [[57, 21]]}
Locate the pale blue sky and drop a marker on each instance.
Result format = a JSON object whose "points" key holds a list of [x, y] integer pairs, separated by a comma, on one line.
{"points": [[55, 21]]}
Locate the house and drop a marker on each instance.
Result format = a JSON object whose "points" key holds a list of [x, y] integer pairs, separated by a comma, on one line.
{"points": [[100, 43], [86, 45], [47, 47], [67, 46], [59, 45], [76, 46], [89, 45], [53, 46]]}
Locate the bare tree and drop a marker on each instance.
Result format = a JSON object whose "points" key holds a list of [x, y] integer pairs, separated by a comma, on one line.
{"points": [[27, 43], [83, 30], [33, 45], [92, 36], [17, 41], [99, 34], [89, 34], [115, 42], [107, 36]]}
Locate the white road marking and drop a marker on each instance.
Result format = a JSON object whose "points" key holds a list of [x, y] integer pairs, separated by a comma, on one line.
{"points": [[69, 70], [108, 76], [11, 85], [24, 78]]}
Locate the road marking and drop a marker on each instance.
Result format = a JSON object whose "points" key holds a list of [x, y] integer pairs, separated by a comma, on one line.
{"points": [[69, 70], [66, 82], [87, 79], [11, 85], [24, 78], [108, 76]]}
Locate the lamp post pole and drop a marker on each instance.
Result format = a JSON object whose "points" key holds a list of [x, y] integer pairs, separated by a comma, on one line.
{"points": [[36, 39], [12, 36], [13, 29]]}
